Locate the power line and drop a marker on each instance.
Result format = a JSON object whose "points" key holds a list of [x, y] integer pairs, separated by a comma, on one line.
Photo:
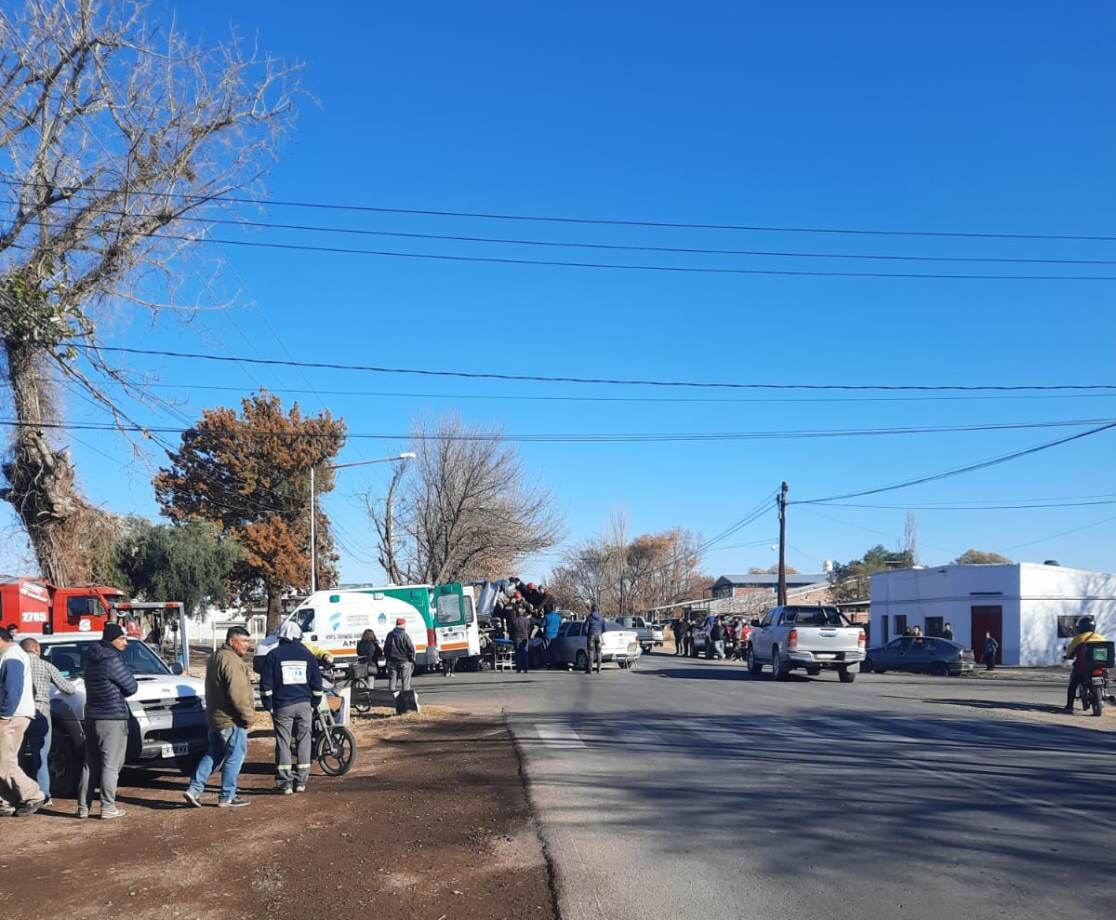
{"points": [[972, 467], [1005, 507], [604, 247], [611, 381], [595, 221], [627, 437], [614, 266], [618, 399]]}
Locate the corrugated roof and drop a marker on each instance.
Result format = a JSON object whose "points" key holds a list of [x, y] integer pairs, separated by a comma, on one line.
{"points": [[765, 580]]}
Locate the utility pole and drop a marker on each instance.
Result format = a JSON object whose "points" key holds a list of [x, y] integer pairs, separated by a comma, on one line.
{"points": [[313, 536], [781, 501]]}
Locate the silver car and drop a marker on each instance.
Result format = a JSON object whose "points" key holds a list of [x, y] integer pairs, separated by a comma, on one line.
{"points": [[571, 646]]}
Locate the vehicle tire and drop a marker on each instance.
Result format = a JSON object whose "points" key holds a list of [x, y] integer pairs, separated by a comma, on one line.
{"points": [[754, 665], [341, 760], [361, 696], [64, 762], [867, 667], [779, 671], [813, 672], [847, 676], [581, 660], [1098, 703], [939, 669]]}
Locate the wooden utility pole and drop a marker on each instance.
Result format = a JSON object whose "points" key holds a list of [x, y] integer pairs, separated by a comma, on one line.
{"points": [[781, 501]]}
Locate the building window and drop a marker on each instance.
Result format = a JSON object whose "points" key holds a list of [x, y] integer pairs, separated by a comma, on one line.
{"points": [[900, 624], [935, 626], [1067, 626]]}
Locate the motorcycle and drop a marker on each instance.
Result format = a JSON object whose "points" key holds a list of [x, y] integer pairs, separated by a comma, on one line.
{"points": [[1093, 691], [333, 743]]}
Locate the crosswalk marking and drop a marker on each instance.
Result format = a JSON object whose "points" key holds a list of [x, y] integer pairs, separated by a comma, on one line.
{"points": [[558, 736]]}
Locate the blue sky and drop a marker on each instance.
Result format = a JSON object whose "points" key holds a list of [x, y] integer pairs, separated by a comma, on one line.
{"points": [[791, 114]]}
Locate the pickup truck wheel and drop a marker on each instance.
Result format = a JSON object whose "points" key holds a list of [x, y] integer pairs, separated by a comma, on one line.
{"points": [[847, 676], [64, 762], [779, 671], [754, 666]]}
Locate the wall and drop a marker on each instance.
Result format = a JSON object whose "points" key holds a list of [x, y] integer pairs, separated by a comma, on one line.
{"points": [[1052, 591]]}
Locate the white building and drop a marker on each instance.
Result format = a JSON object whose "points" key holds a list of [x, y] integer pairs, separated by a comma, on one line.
{"points": [[1029, 608]]}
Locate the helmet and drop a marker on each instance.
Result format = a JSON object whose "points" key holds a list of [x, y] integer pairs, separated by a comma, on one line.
{"points": [[1086, 624]]}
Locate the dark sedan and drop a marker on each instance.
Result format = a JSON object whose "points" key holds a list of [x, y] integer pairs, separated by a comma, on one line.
{"points": [[921, 654]]}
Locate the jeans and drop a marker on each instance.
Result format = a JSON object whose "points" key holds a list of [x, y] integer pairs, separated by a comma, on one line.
{"points": [[36, 751], [1075, 681], [400, 672], [106, 743], [15, 785], [292, 724], [227, 750], [521, 655], [593, 654], [719, 648]]}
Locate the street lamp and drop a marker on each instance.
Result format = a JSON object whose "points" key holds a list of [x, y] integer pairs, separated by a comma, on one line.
{"points": [[406, 455]]}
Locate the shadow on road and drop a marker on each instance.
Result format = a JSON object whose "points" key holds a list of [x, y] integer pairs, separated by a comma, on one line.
{"points": [[998, 704]]}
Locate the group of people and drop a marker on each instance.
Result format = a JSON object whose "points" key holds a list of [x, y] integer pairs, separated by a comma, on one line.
{"points": [[523, 611], [25, 682], [722, 638]]}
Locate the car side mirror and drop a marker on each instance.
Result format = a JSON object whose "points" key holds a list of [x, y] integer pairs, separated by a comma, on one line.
{"points": [[177, 669]]}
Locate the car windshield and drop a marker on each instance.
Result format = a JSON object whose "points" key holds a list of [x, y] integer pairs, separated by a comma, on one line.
{"points": [[69, 658]]}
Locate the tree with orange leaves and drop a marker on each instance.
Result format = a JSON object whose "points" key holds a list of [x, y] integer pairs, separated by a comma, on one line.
{"points": [[250, 475]]}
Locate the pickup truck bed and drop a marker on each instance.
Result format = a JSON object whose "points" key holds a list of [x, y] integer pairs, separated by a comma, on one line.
{"points": [[808, 638]]}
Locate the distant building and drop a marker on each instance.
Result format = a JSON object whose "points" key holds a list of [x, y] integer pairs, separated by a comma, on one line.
{"points": [[804, 586], [1030, 609]]}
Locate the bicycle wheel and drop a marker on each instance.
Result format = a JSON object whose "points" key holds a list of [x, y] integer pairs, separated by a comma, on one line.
{"points": [[336, 752], [361, 696]]}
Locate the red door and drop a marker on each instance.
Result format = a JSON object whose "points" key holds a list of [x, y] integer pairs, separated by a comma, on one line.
{"points": [[987, 620]]}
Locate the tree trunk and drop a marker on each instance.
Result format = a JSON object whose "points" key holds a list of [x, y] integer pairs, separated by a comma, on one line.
{"points": [[40, 479], [274, 607]]}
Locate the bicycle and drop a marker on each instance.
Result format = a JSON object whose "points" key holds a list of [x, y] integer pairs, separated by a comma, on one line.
{"points": [[334, 745]]}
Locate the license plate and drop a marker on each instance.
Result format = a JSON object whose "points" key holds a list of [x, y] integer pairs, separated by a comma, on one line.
{"points": [[177, 749], [1098, 681], [826, 655]]}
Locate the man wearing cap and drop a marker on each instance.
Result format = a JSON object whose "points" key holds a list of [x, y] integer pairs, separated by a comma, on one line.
{"points": [[399, 651], [108, 684], [229, 710], [290, 688]]}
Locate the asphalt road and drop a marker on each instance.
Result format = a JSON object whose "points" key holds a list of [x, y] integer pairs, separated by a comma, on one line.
{"points": [[688, 789]]}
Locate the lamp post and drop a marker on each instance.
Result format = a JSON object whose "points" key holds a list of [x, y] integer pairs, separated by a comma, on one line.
{"points": [[406, 455]]}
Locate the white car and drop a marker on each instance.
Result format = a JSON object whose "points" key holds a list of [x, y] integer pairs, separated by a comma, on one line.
{"points": [[168, 710], [617, 644]]}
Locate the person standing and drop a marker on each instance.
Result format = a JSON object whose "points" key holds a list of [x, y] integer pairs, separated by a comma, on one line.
{"points": [[552, 622], [594, 630], [679, 629], [717, 639], [38, 737], [947, 633], [691, 649], [19, 794], [229, 710], [521, 634], [108, 684], [399, 651], [991, 647], [291, 688]]}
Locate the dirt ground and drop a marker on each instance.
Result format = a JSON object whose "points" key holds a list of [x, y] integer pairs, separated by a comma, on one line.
{"points": [[431, 823]]}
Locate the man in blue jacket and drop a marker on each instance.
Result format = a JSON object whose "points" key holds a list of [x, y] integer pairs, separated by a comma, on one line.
{"points": [[551, 622], [290, 688], [594, 629], [108, 683]]}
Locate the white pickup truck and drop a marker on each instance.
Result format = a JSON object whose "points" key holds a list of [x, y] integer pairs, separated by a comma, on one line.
{"points": [[810, 638]]}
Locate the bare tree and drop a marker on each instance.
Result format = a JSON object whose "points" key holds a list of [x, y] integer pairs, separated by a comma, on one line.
{"points": [[625, 576], [116, 136], [465, 509]]}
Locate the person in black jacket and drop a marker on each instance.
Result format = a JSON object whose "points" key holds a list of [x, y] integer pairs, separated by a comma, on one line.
{"points": [[108, 683], [290, 689], [399, 651]]}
